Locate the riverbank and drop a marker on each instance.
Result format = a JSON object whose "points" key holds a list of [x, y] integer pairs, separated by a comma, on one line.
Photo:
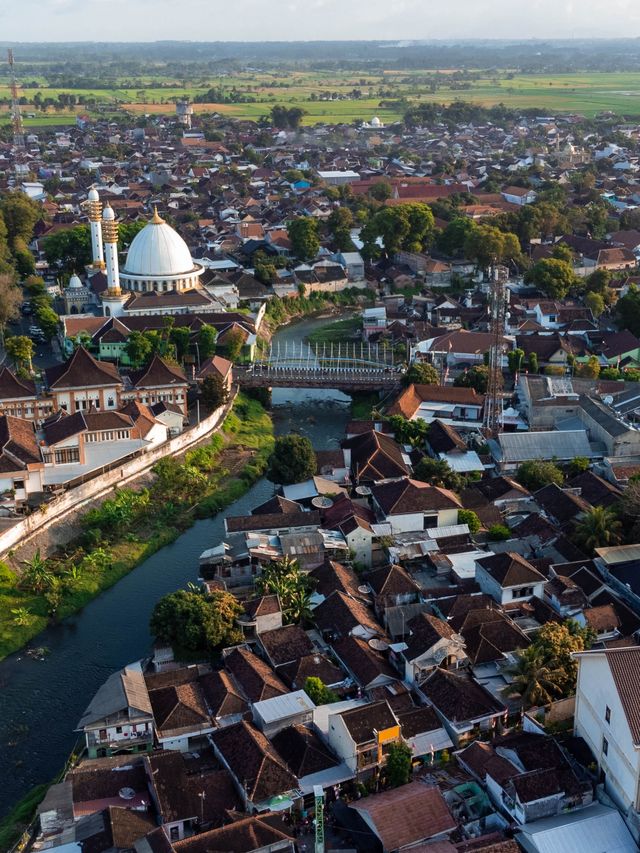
{"points": [[134, 524], [282, 312]]}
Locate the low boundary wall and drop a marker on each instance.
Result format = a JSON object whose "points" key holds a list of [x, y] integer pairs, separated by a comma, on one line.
{"points": [[73, 499]]}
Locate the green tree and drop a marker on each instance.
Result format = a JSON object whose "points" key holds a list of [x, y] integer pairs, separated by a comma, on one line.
{"points": [[195, 622], [599, 527], [181, 483], [454, 237], [438, 472], [628, 311], [293, 460], [515, 358], [25, 263], [421, 373], [10, 301], [180, 337], [318, 692], [380, 191], [398, 766], [340, 222], [536, 473], [498, 533], [69, 249], [409, 432], [468, 516], [233, 344], [404, 226], [595, 303], [589, 369], [476, 377], [213, 391], [553, 277], [535, 682], [138, 348], [488, 246], [20, 349], [533, 362], [556, 643], [562, 252], [20, 214], [578, 465], [207, 341], [303, 233], [285, 579], [47, 319]]}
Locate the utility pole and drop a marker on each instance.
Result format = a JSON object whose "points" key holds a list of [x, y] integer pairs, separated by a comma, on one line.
{"points": [[492, 420], [16, 115]]}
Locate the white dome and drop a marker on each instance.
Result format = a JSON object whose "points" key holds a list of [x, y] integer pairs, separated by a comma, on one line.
{"points": [[375, 122], [108, 213], [93, 194], [74, 281], [158, 250]]}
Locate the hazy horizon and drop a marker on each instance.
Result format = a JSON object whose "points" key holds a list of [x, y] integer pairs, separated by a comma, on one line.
{"points": [[312, 20]]}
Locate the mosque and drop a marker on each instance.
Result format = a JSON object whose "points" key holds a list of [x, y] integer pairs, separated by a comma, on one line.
{"points": [[159, 275]]}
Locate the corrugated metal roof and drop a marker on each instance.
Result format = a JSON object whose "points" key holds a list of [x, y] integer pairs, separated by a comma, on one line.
{"points": [[597, 829], [523, 446], [281, 707]]}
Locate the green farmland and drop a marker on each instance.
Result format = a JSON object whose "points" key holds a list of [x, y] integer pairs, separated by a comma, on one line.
{"points": [[384, 95]]}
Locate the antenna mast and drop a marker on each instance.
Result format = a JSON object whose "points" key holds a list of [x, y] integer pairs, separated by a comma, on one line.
{"points": [[16, 115], [492, 420]]}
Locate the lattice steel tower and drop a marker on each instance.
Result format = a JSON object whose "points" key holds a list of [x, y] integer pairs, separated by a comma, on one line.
{"points": [[492, 420], [16, 115]]}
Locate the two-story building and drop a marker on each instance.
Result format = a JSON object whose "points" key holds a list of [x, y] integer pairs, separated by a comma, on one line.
{"points": [[509, 577], [361, 736]]}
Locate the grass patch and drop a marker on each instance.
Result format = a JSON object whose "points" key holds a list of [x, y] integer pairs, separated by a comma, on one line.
{"points": [[127, 529], [17, 821], [340, 331], [362, 405]]}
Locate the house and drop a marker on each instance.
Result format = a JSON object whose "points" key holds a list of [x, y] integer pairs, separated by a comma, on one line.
{"points": [[273, 715], [408, 816], [519, 195], [391, 586], [508, 577], [119, 718], [373, 456], [424, 733], [361, 736], [408, 505], [465, 707], [158, 382], [246, 835], [607, 716], [457, 407], [339, 615], [217, 366], [445, 442], [511, 449], [367, 666], [590, 830], [18, 398], [254, 678], [461, 348], [259, 774], [21, 463], [180, 707], [260, 614], [82, 383], [431, 643]]}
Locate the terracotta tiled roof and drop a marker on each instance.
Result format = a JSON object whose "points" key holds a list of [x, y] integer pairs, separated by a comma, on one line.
{"points": [[510, 569], [82, 370], [158, 374]]}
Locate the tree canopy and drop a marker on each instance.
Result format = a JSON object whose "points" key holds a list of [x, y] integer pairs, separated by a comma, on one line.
{"points": [[292, 461], [195, 622], [536, 473], [303, 233], [403, 226], [421, 373], [476, 377], [554, 277]]}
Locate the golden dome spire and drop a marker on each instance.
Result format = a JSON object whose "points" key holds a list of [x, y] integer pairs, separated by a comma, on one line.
{"points": [[156, 219]]}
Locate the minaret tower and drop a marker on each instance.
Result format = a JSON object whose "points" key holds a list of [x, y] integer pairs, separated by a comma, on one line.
{"points": [[94, 206], [113, 300]]}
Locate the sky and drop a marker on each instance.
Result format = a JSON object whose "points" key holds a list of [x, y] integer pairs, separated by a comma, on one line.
{"points": [[310, 20]]}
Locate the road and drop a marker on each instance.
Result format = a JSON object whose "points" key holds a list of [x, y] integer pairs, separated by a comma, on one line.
{"points": [[46, 355]]}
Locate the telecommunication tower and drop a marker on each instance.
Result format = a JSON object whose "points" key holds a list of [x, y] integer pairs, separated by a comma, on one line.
{"points": [[492, 420], [16, 115]]}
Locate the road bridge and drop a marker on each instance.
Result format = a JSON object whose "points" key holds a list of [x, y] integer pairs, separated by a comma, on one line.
{"points": [[345, 367]]}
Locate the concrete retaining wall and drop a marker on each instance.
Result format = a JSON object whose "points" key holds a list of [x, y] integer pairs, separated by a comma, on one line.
{"points": [[72, 500]]}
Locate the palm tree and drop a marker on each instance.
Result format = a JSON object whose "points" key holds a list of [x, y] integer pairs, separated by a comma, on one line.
{"points": [[598, 527], [36, 575], [298, 606], [534, 681]]}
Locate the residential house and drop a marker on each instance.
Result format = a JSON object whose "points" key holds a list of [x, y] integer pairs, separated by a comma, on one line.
{"points": [[465, 707], [408, 505], [366, 665], [259, 774], [361, 736], [431, 643], [83, 383], [119, 718], [607, 716], [457, 407], [374, 456], [407, 817], [253, 834], [273, 715], [21, 463], [508, 577]]}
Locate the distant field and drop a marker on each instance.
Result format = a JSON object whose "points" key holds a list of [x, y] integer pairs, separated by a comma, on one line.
{"points": [[584, 93]]}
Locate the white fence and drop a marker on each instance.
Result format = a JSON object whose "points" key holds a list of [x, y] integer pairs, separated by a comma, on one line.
{"points": [[55, 511]]}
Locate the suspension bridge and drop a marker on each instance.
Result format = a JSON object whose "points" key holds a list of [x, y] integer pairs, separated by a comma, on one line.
{"points": [[342, 366]]}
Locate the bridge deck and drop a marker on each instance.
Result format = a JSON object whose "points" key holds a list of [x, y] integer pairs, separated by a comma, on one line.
{"points": [[344, 380]]}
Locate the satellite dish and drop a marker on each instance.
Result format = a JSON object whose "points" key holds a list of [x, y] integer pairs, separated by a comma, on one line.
{"points": [[363, 491], [378, 645], [126, 793], [364, 589], [608, 400], [320, 502]]}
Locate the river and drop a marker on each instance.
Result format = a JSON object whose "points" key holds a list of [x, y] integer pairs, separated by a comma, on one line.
{"points": [[42, 701]]}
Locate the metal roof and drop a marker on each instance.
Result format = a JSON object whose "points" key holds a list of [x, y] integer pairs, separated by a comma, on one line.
{"points": [[597, 829], [523, 446], [281, 707]]}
